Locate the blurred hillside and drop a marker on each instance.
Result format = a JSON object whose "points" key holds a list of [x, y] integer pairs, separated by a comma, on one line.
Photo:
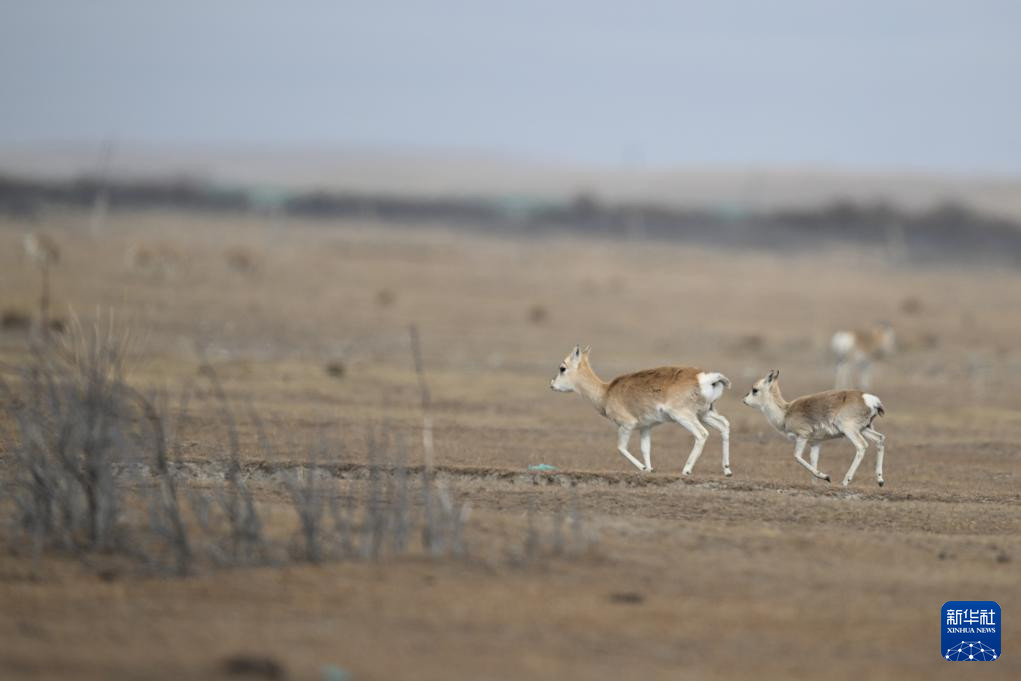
{"points": [[921, 223], [459, 175]]}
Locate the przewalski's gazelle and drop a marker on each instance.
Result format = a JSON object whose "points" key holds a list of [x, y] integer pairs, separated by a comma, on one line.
{"points": [[641, 400], [45, 253], [857, 350], [812, 419]]}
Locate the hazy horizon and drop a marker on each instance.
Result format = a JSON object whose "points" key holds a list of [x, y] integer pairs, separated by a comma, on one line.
{"points": [[904, 86]]}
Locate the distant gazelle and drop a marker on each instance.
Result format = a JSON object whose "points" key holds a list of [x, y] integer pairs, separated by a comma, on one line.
{"points": [[683, 395], [858, 350], [44, 252], [812, 419]]}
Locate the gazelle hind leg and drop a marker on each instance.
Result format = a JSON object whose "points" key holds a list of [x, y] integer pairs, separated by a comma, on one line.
{"points": [[799, 449], [716, 420], [813, 455], [695, 427], [646, 434], [844, 369], [860, 445], [880, 440], [623, 435]]}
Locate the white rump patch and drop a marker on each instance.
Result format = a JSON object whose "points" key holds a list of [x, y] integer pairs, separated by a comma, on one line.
{"points": [[711, 385], [842, 343], [872, 401]]}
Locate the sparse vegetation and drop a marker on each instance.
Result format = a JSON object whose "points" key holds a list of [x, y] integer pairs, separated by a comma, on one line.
{"points": [[95, 471]]}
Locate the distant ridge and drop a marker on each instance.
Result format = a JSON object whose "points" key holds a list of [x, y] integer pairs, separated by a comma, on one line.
{"points": [[948, 232], [451, 174]]}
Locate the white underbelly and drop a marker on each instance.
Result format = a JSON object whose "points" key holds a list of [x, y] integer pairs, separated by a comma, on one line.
{"points": [[827, 431]]}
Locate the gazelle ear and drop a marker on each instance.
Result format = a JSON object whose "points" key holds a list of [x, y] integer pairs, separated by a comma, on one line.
{"points": [[575, 356], [773, 375], [587, 349]]}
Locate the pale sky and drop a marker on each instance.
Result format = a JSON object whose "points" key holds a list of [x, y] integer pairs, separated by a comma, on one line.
{"points": [[891, 84]]}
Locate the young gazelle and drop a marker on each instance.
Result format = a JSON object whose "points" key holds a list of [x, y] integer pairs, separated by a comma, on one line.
{"points": [[648, 398], [858, 350], [813, 419]]}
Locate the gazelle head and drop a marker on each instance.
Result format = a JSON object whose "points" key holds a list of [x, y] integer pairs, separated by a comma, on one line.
{"points": [[757, 396], [565, 380]]}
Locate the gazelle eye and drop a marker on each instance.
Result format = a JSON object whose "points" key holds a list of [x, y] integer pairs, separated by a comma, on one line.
{"points": [[755, 391], [563, 369]]}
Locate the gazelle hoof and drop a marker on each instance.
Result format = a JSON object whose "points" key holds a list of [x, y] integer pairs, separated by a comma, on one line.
{"points": [[826, 478], [880, 483], [686, 473], [727, 472]]}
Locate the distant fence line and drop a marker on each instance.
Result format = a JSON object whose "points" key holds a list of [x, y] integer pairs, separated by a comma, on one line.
{"points": [[947, 231]]}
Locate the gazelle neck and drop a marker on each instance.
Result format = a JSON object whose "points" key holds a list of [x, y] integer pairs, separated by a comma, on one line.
{"points": [[775, 406], [590, 386]]}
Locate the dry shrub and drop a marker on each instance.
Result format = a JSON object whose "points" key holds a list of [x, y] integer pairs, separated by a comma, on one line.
{"points": [[335, 369], [78, 428], [551, 541], [749, 343], [911, 306], [242, 259], [253, 666], [13, 319], [335, 523], [76, 422], [627, 597]]}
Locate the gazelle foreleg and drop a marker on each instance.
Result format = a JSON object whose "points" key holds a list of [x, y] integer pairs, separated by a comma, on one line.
{"points": [[813, 455], [716, 420], [695, 427], [646, 434], [623, 435], [799, 449], [860, 445], [880, 440]]}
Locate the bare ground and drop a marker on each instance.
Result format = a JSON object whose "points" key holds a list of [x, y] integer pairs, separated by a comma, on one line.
{"points": [[763, 575]]}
